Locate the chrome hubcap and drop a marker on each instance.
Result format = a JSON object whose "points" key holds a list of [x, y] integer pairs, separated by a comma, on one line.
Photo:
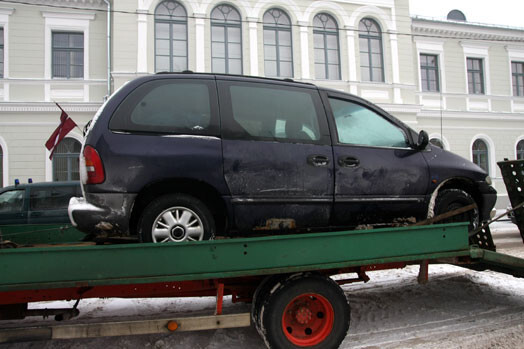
{"points": [[177, 224]]}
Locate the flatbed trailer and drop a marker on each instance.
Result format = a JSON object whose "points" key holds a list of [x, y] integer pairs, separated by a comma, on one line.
{"points": [[295, 303]]}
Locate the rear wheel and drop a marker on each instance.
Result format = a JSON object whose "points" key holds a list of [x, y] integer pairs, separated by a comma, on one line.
{"points": [[452, 199], [176, 218], [305, 310]]}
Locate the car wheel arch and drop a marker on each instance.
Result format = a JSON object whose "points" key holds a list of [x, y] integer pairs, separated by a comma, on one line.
{"points": [[198, 189], [460, 183]]}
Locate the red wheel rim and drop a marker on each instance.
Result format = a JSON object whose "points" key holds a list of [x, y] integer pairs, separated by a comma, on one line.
{"points": [[308, 320]]}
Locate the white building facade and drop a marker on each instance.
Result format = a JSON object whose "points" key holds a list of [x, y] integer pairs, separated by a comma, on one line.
{"points": [[461, 82]]}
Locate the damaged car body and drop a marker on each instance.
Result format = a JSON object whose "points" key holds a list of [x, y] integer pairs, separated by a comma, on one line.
{"points": [[184, 157]]}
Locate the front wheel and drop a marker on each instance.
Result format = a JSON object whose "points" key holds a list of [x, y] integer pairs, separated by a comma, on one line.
{"points": [[305, 310], [452, 199], [176, 218]]}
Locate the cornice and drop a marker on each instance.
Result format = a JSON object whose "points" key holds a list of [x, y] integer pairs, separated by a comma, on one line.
{"points": [[84, 4], [26, 107], [448, 29]]}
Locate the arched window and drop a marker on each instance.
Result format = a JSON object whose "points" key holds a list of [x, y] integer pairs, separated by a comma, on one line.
{"points": [[278, 55], [437, 142], [170, 37], [65, 160], [481, 154], [520, 150], [371, 59], [325, 35], [226, 40]]}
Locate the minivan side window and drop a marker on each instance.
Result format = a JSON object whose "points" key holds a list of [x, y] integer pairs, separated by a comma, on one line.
{"points": [[358, 125], [167, 106], [272, 112], [12, 201], [51, 198]]}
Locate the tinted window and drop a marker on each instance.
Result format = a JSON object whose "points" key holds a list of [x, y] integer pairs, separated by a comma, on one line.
{"points": [[261, 111], [166, 106], [12, 201], [361, 126], [51, 198]]}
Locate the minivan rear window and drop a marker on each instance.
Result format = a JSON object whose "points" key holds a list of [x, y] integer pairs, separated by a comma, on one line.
{"points": [[166, 106]]}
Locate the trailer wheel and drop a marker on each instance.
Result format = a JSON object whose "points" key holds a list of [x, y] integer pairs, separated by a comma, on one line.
{"points": [[176, 218], [260, 296], [452, 199], [305, 310]]}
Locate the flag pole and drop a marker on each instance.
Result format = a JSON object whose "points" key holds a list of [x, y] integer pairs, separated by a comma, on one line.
{"points": [[76, 125]]}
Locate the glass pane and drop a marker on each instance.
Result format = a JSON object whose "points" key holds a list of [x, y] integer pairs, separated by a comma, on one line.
{"points": [[376, 60], [332, 41], [375, 45], [218, 50], [332, 56], [76, 40], [284, 38], [234, 51], [364, 60], [235, 66], [270, 68], [285, 53], [179, 48], [233, 35], [219, 65], [162, 47], [363, 43], [377, 74], [162, 30], [60, 40], [333, 71], [269, 37], [270, 52], [166, 107], [359, 125], [364, 71], [179, 63], [162, 63], [318, 40], [77, 71], [217, 33], [77, 58], [262, 111], [286, 70], [320, 71], [179, 31], [12, 201], [320, 56]]}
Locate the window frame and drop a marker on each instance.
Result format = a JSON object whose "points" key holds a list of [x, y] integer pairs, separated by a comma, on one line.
{"points": [[475, 154], [368, 36], [517, 76], [171, 22], [325, 33], [2, 55], [519, 152], [225, 24], [480, 72], [374, 108], [277, 29], [425, 70], [68, 50], [69, 158], [230, 127]]}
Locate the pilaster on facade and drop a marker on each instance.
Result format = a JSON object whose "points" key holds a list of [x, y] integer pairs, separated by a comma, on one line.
{"points": [[141, 59], [200, 47], [304, 49], [352, 62], [397, 98], [5, 13], [253, 44]]}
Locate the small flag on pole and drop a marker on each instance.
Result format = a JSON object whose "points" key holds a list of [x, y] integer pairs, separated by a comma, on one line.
{"points": [[66, 125]]}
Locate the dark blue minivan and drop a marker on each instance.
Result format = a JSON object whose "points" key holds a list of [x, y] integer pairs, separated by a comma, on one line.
{"points": [[185, 156]]}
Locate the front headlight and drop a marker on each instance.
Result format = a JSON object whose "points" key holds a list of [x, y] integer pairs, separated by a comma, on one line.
{"points": [[488, 180]]}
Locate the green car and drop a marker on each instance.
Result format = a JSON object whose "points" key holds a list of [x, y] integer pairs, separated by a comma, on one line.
{"points": [[36, 213]]}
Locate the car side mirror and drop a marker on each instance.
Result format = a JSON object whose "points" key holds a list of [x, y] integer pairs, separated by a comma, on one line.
{"points": [[423, 140]]}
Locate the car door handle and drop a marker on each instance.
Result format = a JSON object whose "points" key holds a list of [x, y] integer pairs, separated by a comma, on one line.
{"points": [[348, 162], [318, 160]]}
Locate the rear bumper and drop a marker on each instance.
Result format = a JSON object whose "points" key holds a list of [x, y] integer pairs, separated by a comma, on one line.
{"points": [[102, 214]]}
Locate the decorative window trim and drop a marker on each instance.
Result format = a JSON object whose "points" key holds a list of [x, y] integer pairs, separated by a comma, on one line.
{"points": [[474, 50], [171, 22], [226, 25], [4, 23], [65, 21], [519, 139], [277, 29], [49, 163], [433, 47], [380, 38], [441, 138], [491, 152], [324, 32], [5, 162]]}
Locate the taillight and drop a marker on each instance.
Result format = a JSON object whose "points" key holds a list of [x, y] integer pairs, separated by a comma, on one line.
{"points": [[94, 166]]}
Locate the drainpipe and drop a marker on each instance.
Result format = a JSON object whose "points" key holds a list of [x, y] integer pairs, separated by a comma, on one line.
{"points": [[108, 3]]}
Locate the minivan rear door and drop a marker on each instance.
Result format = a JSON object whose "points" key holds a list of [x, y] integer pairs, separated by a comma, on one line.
{"points": [[379, 176], [278, 160]]}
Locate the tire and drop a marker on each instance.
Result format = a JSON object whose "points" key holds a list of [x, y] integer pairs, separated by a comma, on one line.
{"points": [[305, 310], [260, 296], [176, 218], [452, 199]]}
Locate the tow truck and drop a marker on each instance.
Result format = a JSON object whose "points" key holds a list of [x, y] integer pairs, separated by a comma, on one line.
{"points": [[288, 279]]}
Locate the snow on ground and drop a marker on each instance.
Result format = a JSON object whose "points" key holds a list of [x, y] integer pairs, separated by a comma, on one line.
{"points": [[457, 308]]}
